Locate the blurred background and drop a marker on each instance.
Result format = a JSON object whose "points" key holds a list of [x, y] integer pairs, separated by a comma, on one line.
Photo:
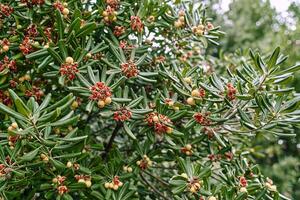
{"points": [[263, 25]]}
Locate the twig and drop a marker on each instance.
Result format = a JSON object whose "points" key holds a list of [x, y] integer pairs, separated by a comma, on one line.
{"points": [[157, 178], [111, 139], [152, 187]]}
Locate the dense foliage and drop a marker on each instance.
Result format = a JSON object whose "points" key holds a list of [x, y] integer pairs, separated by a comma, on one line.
{"points": [[119, 100]]}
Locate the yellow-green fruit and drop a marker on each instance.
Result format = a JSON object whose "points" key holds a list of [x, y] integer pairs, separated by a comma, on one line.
{"points": [[108, 101], [69, 164], [88, 183], [191, 101], [101, 104], [65, 11], [5, 48], [69, 60], [188, 147], [195, 93]]}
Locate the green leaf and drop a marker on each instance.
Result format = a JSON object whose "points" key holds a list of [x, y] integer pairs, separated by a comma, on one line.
{"points": [[60, 24], [86, 29], [128, 131], [55, 55], [273, 59], [63, 49], [135, 102], [30, 156], [57, 164], [61, 102], [118, 83], [243, 115], [50, 116], [66, 122], [178, 189], [219, 139], [20, 105], [293, 68], [91, 74], [74, 139], [11, 112], [45, 102]]}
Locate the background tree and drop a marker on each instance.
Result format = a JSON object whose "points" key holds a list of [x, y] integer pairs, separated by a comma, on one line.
{"points": [[247, 26]]}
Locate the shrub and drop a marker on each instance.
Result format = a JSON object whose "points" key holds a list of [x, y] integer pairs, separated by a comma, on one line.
{"points": [[119, 100]]}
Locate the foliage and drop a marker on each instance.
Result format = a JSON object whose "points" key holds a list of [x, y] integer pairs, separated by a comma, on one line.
{"points": [[118, 100]]}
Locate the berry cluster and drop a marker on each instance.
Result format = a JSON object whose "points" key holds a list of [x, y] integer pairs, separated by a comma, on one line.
{"points": [[69, 68], [129, 69], [75, 166], [144, 163], [84, 179], [12, 140], [243, 181], [44, 158], [5, 10], [171, 103], [35, 92], [109, 15], [159, 122], [62, 7], [122, 115], [270, 185], [216, 157], [202, 118], [31, 31], [8, 64], [127, 169], [4, 44], [4, 98], [136, 24], [59, 181], [26, 46], [187, 149], [115, 184], [113, 3], [194, 184], [101, 93], [198, 93], [198, 30], [181, 20], [4, 170], [119, 30], [231, 91]]}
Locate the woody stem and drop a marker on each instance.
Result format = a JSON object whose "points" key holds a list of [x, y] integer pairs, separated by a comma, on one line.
{"points": [[111, 139]]}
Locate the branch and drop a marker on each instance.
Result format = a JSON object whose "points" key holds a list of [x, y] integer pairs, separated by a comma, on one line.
{"points": [[157, 178], [152, 187], [111, 139]]}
